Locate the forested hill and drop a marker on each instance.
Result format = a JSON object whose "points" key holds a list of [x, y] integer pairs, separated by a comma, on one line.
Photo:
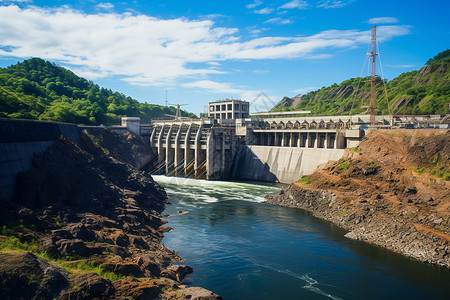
{"points": [[426, 91], [38, 89]]}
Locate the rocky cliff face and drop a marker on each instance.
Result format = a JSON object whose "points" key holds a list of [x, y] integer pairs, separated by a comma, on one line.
{"points": [[85, 223], [392, 190]]}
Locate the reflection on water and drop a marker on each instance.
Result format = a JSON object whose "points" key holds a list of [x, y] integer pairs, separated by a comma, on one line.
{"points": [[244, 249]]}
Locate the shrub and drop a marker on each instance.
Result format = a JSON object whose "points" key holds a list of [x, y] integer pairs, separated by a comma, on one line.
{"points": [[343, 167], [419, 170], [305, 180]]}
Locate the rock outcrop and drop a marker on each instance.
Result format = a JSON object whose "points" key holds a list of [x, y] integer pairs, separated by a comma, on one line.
{"points": [[93, 223], [392, 191]]}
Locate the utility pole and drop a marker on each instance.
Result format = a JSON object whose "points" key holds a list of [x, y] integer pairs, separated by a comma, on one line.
{"points": [[373, 54], [167, 101]]}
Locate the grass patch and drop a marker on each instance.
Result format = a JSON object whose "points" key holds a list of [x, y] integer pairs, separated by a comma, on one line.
{"points": [[343, 167], [88, 266], [440, 227], [305, 180], [356, 149], [444, 174], [392, 135], [342, 212], [96, 143], [419, 170], [70, 264], [373, 165], [436, 160]]}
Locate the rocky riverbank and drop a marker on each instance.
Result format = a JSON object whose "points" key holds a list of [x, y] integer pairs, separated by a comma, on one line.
{"points": [[393, 190], [85, 223]]}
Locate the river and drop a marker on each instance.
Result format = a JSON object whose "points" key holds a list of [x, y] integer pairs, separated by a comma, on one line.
{"points": [[241, 248]]}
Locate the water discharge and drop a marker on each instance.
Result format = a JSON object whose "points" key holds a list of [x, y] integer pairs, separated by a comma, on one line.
{"points": [[241, 248]]}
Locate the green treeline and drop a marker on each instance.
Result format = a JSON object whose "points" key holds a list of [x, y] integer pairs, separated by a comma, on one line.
{"points": [[38, 89], [426, 91]]}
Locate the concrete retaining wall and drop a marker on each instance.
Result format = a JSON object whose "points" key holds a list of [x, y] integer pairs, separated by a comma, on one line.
{"points": [[20, 140], [283, 164]]}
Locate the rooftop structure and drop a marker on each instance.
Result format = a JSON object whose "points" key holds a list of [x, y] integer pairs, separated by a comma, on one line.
{"points": [[229, 109]]}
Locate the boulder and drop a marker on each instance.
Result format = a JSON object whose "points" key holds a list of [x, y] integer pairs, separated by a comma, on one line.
{"points": [[26, 276], [88, 286], [73, 247]]}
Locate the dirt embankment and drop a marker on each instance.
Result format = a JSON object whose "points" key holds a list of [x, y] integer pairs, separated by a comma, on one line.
{"points": [[393, 190], [84, 223]]}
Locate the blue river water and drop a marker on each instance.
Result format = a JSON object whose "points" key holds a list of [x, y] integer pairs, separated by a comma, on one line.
{"points": [[241, 248]]}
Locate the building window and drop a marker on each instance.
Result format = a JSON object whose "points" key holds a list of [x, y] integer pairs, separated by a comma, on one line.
{"points": [[217, 107], [229, 116], [236, 106], [224, 116], [244, 107], [211, 108], [229, 107], [217, 116], [236, 116], [224, 107]]}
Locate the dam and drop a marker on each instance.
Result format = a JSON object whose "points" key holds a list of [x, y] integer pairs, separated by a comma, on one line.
{"points": [[230, 145], [227, 145]]}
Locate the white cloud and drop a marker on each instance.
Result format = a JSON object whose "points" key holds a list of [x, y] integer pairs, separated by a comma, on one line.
{"points": [[13, 1], [305, 90], [214, 87], [278, 20], [259, 72], [383, 20], [333, 3], [400, 66], [264, 11], [299, 4], [254, 4], [105, 6], [144, 50]]}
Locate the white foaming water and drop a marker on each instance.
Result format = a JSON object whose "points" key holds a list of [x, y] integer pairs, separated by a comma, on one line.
{"points": [[310, 282], [204, 191]]}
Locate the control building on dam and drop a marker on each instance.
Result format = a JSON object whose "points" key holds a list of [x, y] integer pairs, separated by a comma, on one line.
{"points": [[230, 145]]}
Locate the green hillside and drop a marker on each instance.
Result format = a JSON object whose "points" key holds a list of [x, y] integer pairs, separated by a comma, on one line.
{"points": [[426, 91], [38, 89]]}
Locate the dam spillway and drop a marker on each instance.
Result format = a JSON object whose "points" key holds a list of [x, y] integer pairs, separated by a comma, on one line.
{"points": [[246, 149]]}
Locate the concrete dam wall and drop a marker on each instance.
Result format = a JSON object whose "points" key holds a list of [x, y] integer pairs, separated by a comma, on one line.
{"points": [[283, 164]]}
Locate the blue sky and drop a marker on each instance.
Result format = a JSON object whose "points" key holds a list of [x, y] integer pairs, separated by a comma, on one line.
{"points": [[204, 51]]}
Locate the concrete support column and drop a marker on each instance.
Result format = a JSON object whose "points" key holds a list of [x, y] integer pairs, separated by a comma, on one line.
{"points": [[161, 151], [316, 140], [211, 159], [188, 152], [169, 158], [152, 137], [276, 139], [327, 140], [179, 153], [291, 141], [197, 150]]}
